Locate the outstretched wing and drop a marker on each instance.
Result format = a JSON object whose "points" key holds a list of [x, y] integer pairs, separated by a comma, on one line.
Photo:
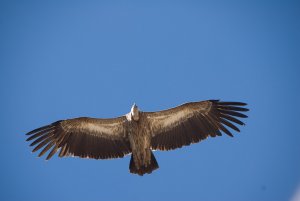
{"points": [[192, 122], [83, 137]]}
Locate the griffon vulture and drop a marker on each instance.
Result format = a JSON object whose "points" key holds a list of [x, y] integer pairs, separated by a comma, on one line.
{"points": [[138, 132]]}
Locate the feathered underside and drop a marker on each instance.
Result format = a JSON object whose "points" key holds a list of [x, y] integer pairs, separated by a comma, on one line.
{"points": [[193, 122], [83, 137], [168, 129]]}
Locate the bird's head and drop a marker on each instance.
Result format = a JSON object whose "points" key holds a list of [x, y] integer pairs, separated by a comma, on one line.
{"points": [[135, 112]]}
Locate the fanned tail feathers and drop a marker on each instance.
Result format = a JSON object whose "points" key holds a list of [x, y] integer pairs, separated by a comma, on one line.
{"points": [[144, 169]]}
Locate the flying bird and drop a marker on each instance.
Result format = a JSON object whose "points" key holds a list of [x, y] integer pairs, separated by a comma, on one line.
{"points": [[138, 133]]}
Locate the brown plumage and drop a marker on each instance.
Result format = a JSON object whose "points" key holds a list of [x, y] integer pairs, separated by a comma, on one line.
{"points": [[138, 132]]}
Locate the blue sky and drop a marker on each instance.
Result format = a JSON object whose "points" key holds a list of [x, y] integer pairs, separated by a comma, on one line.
{"points": [[66, 59]]}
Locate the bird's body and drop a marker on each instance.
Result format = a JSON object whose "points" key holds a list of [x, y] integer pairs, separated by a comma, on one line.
{"points": [[140, 142], [138, 132]]}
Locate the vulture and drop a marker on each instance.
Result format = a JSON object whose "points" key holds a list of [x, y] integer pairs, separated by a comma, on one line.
{"points": [[138, 133]]}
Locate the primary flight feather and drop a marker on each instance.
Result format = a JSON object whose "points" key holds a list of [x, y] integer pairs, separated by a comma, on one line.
{"points": [[138, 132]]}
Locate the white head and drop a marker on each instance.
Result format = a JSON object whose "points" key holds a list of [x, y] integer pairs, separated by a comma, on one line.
{"points": [[135, 112]]}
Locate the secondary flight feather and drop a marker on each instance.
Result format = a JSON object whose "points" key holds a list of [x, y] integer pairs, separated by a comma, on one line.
{"points": [[138, 132]]}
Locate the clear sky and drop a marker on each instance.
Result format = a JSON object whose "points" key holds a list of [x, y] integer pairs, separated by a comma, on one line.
{"points": [[66, 59]]}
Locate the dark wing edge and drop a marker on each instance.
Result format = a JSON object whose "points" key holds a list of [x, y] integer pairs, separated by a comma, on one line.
{"points": [[83, 137], [211, 119]]}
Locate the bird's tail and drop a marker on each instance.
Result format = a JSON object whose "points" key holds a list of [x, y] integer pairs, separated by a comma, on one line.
{"points": [[143, 169]]}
